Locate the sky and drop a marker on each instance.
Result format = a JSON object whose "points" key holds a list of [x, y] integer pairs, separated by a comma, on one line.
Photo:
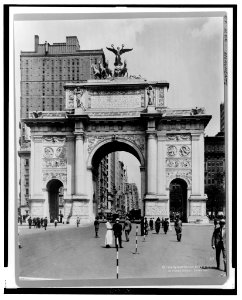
{"points": [[186, 52]]}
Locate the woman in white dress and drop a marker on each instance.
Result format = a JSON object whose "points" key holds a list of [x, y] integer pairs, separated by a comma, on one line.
{"points": [[109, 235]]}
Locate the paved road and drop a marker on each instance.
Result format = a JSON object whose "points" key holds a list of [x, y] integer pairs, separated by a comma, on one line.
{"points": [[67, 252]]}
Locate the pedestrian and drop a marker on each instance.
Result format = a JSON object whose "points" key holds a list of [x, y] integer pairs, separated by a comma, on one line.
{"points": [[166, 225], [109, 235], [151, 224], [178, 228], [127, 228], [157, 225], [30, 222], [21, 220], [142, 225], [19, 244], [77, 221], [219, 243], [96, 226], [38, 222], [162, 222], [45, 222], [41, 222], [117, 230], [146, 225], [55, 222]]}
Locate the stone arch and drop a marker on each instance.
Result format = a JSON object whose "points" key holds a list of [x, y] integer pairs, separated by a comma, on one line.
{"points": [[117, 144], [53, 186], [178, 195]]}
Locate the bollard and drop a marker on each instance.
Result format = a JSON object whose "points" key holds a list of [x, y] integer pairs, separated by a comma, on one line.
{"points": [[136, 241], [117, 255]]}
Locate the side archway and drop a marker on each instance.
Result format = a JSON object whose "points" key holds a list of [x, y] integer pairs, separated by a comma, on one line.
{"points": [[54, 188], [178, 198]]}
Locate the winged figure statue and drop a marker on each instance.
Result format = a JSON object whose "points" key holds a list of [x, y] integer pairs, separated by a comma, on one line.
{"points": [[118, 52]]}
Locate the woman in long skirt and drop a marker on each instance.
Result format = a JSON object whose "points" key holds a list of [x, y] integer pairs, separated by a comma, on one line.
{"points": [[109, 235]]}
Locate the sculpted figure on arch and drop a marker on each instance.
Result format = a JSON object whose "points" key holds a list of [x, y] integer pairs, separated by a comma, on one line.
{"points": [[118, 52]]}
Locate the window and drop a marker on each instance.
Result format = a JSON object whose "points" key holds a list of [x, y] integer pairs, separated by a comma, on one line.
{"points": [[26, 162], [27, 191]]}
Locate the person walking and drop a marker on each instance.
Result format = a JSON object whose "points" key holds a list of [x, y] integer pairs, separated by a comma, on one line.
{"points": [[151, 224], [109, 235], [219, 243], [38, 222], [55, 222], [96, 226], [127, 228], [117, 230], [178, 228], [45, 222], [166, 225], [77, 221], [30, 222], [146, 226], [157, 225]]}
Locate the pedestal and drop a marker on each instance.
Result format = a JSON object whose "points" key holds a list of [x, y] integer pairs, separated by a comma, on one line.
{"points": [[197, 210]]}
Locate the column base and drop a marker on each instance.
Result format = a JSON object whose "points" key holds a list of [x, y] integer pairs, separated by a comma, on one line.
{"points": [[78, 208], [197, 209], [155, 208]]}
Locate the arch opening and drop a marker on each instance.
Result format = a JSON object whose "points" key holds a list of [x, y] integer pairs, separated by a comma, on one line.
{"points": [[55, 199], [178, 198], [111, 191]]}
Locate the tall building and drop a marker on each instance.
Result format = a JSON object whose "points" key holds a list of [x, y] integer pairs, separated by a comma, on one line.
{"points": [[44, 72], [222, 118], [132, 197]]}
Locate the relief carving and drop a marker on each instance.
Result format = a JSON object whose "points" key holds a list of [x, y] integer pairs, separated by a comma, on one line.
{"points": [[161, 99], [184, 150], [171, 150], [176, 163], [48, 152], [173, 174], [196, 210], [47, 176], [156, 210], [179, 137]]}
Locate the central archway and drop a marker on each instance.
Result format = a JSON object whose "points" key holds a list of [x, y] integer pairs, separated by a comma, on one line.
{"points": [[105, 150]]}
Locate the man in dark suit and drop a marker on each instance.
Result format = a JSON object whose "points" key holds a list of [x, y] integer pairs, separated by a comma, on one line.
{"points": [[117, 230], [219, 243]]}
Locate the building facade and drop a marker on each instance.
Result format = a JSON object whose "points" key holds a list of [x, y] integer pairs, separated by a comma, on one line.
{"points": [[44, 72], [131, 197]]}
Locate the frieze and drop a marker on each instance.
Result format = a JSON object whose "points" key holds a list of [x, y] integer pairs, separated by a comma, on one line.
{"points": [[54, 139], [179, 137], [114, 114], [116, 101], [156, 210], [173, 174], [48, 152], [115, 92], [47, 176], [138, 140], [54, 163], [178, 163], [178, 150]]}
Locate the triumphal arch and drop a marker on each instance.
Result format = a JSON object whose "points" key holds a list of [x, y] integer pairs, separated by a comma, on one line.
{"points": [[117, 113]]}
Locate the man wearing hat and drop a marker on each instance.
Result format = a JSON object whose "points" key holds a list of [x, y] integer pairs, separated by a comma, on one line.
{"points": [[219, 243], [117, 230]]}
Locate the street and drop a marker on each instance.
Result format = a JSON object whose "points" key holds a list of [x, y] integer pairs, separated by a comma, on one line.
{"points": [[68, 252]]}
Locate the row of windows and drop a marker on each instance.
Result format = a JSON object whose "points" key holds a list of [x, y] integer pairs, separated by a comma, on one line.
{"points": [[47, 62]]}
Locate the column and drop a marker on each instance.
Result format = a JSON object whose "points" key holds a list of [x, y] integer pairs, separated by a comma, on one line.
{"points": [[36, 167], [143, 189], [161, 167], [201, 149], [79, 166], [151, 163], [70, 166], [196, 161]]}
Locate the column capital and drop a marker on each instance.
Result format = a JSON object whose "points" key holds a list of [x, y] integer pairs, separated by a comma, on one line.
{"points": [[151, 134], [79, 135], [195, 136]]}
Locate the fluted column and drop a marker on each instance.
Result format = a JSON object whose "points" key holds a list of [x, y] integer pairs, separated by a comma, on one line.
{"points": [[161, 167], [143, 189], [151, 163], [196, 165], [79, 165]]}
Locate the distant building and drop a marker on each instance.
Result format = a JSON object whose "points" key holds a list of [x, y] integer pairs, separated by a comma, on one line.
{"points": [[131, 197], [214, 159], [44, 72]]}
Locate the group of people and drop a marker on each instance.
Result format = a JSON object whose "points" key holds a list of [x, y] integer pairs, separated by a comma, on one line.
{"points": [[145, 226], [115, 230], [38, 222]]}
